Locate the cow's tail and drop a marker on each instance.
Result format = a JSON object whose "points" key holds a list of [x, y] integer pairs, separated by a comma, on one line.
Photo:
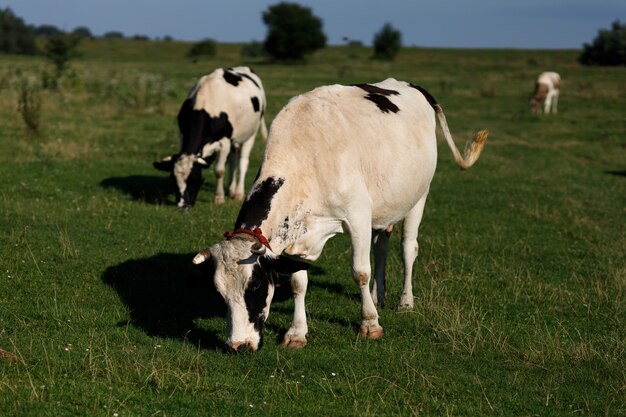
{"points": [[472, 149]]}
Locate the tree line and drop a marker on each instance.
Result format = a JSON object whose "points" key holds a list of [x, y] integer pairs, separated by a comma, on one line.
{"points": [[294, 33], [18, 37]]}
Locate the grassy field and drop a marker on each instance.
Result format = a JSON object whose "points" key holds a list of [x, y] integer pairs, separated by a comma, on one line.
{"points": [[520, 284]]}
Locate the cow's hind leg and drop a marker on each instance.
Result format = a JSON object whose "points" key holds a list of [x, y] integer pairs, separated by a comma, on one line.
{"points": [[360, 229], [296, 335], [410, 248], [380, 241]]}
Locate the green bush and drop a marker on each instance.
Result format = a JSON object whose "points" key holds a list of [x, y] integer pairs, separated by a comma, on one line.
{"points": [[60, 49], [293, 31], [608, 48], [206, 47], [387, 43]]}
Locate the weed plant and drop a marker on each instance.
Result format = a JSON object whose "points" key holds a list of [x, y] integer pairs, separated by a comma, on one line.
{"points": [[29, 106]]}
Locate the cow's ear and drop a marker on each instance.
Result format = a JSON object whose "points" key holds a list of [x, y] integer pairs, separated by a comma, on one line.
{"points": [[167, 163], [284, 265]]}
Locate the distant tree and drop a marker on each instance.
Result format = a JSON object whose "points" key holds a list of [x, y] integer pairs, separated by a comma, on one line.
{"points": [[15, 36], [60, 49], [141, 37], [82, 32], [293, 31], [113, 34], [387, 43], [608, 48], [47, 30], [206, 47]]}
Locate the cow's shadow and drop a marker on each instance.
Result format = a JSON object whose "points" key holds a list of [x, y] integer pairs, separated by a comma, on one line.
{"points": [[152, 189], [165, 294], [617, 173]]}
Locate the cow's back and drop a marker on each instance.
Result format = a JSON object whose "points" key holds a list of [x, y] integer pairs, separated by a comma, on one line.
{"points": [[342, 141], [551, 79], [241, 98]]}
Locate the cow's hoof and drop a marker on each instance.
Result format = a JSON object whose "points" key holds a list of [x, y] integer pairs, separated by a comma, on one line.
{"points": [[405, 307], [294, 342], [237, 197], [218, 200], [370, 332]]}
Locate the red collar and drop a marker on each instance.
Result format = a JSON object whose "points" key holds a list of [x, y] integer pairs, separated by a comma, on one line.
{"points": [[256, 232]]}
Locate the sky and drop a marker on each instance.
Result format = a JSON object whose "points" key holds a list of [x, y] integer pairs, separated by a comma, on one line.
{"points": [[526, 24]]}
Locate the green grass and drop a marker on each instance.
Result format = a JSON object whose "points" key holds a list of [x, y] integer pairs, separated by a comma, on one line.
{"points": [[520, 283]]}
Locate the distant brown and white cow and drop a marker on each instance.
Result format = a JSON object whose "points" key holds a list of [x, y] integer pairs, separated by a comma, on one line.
{"points": [[354, 159], [222, 111], [546, 92]]}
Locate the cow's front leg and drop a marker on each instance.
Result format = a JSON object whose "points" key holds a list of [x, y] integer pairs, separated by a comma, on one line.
{"points": [[220, 167], [296, 335], [232, 168], [361, 235], [244, 160]]}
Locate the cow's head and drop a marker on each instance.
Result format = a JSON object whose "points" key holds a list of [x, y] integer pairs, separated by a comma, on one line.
{"points": [[185, 170], [534, 105], [244, 275]]}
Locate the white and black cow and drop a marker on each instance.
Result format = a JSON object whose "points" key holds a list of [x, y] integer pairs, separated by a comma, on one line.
{"points": [[546, 92], [223, 110], [354, 159]]}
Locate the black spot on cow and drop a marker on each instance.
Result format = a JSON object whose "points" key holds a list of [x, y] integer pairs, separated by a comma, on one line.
{"points": [[185, 115], [257, 206], [255, 104], [251, 79], [255, 297], [431, 100], [198, 128], [232, 77], [372, 89], [378, 96]]}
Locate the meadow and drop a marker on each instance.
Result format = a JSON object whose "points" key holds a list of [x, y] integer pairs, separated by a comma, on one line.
{"points": [[520, 284]]}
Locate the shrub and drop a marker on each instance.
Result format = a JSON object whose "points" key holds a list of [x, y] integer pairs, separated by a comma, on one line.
{"points": [[387, 43], [608, 48], [15, 36], [60, 49], [46, 31], [206, 47], [82, 32], [113, 34], [293, 31], [29, 106]]}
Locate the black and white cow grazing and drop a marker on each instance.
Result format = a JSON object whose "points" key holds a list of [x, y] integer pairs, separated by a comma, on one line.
{"points": [[223, 110], [354, 159]]}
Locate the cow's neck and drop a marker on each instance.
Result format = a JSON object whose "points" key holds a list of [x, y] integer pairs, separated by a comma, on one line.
{"points": [[272, 206]]}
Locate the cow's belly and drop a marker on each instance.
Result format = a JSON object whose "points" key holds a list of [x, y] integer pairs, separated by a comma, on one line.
{"points": [[396, 193]]}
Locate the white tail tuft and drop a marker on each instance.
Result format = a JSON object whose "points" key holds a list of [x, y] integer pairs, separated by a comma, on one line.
{"points": [[472, 149]]}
